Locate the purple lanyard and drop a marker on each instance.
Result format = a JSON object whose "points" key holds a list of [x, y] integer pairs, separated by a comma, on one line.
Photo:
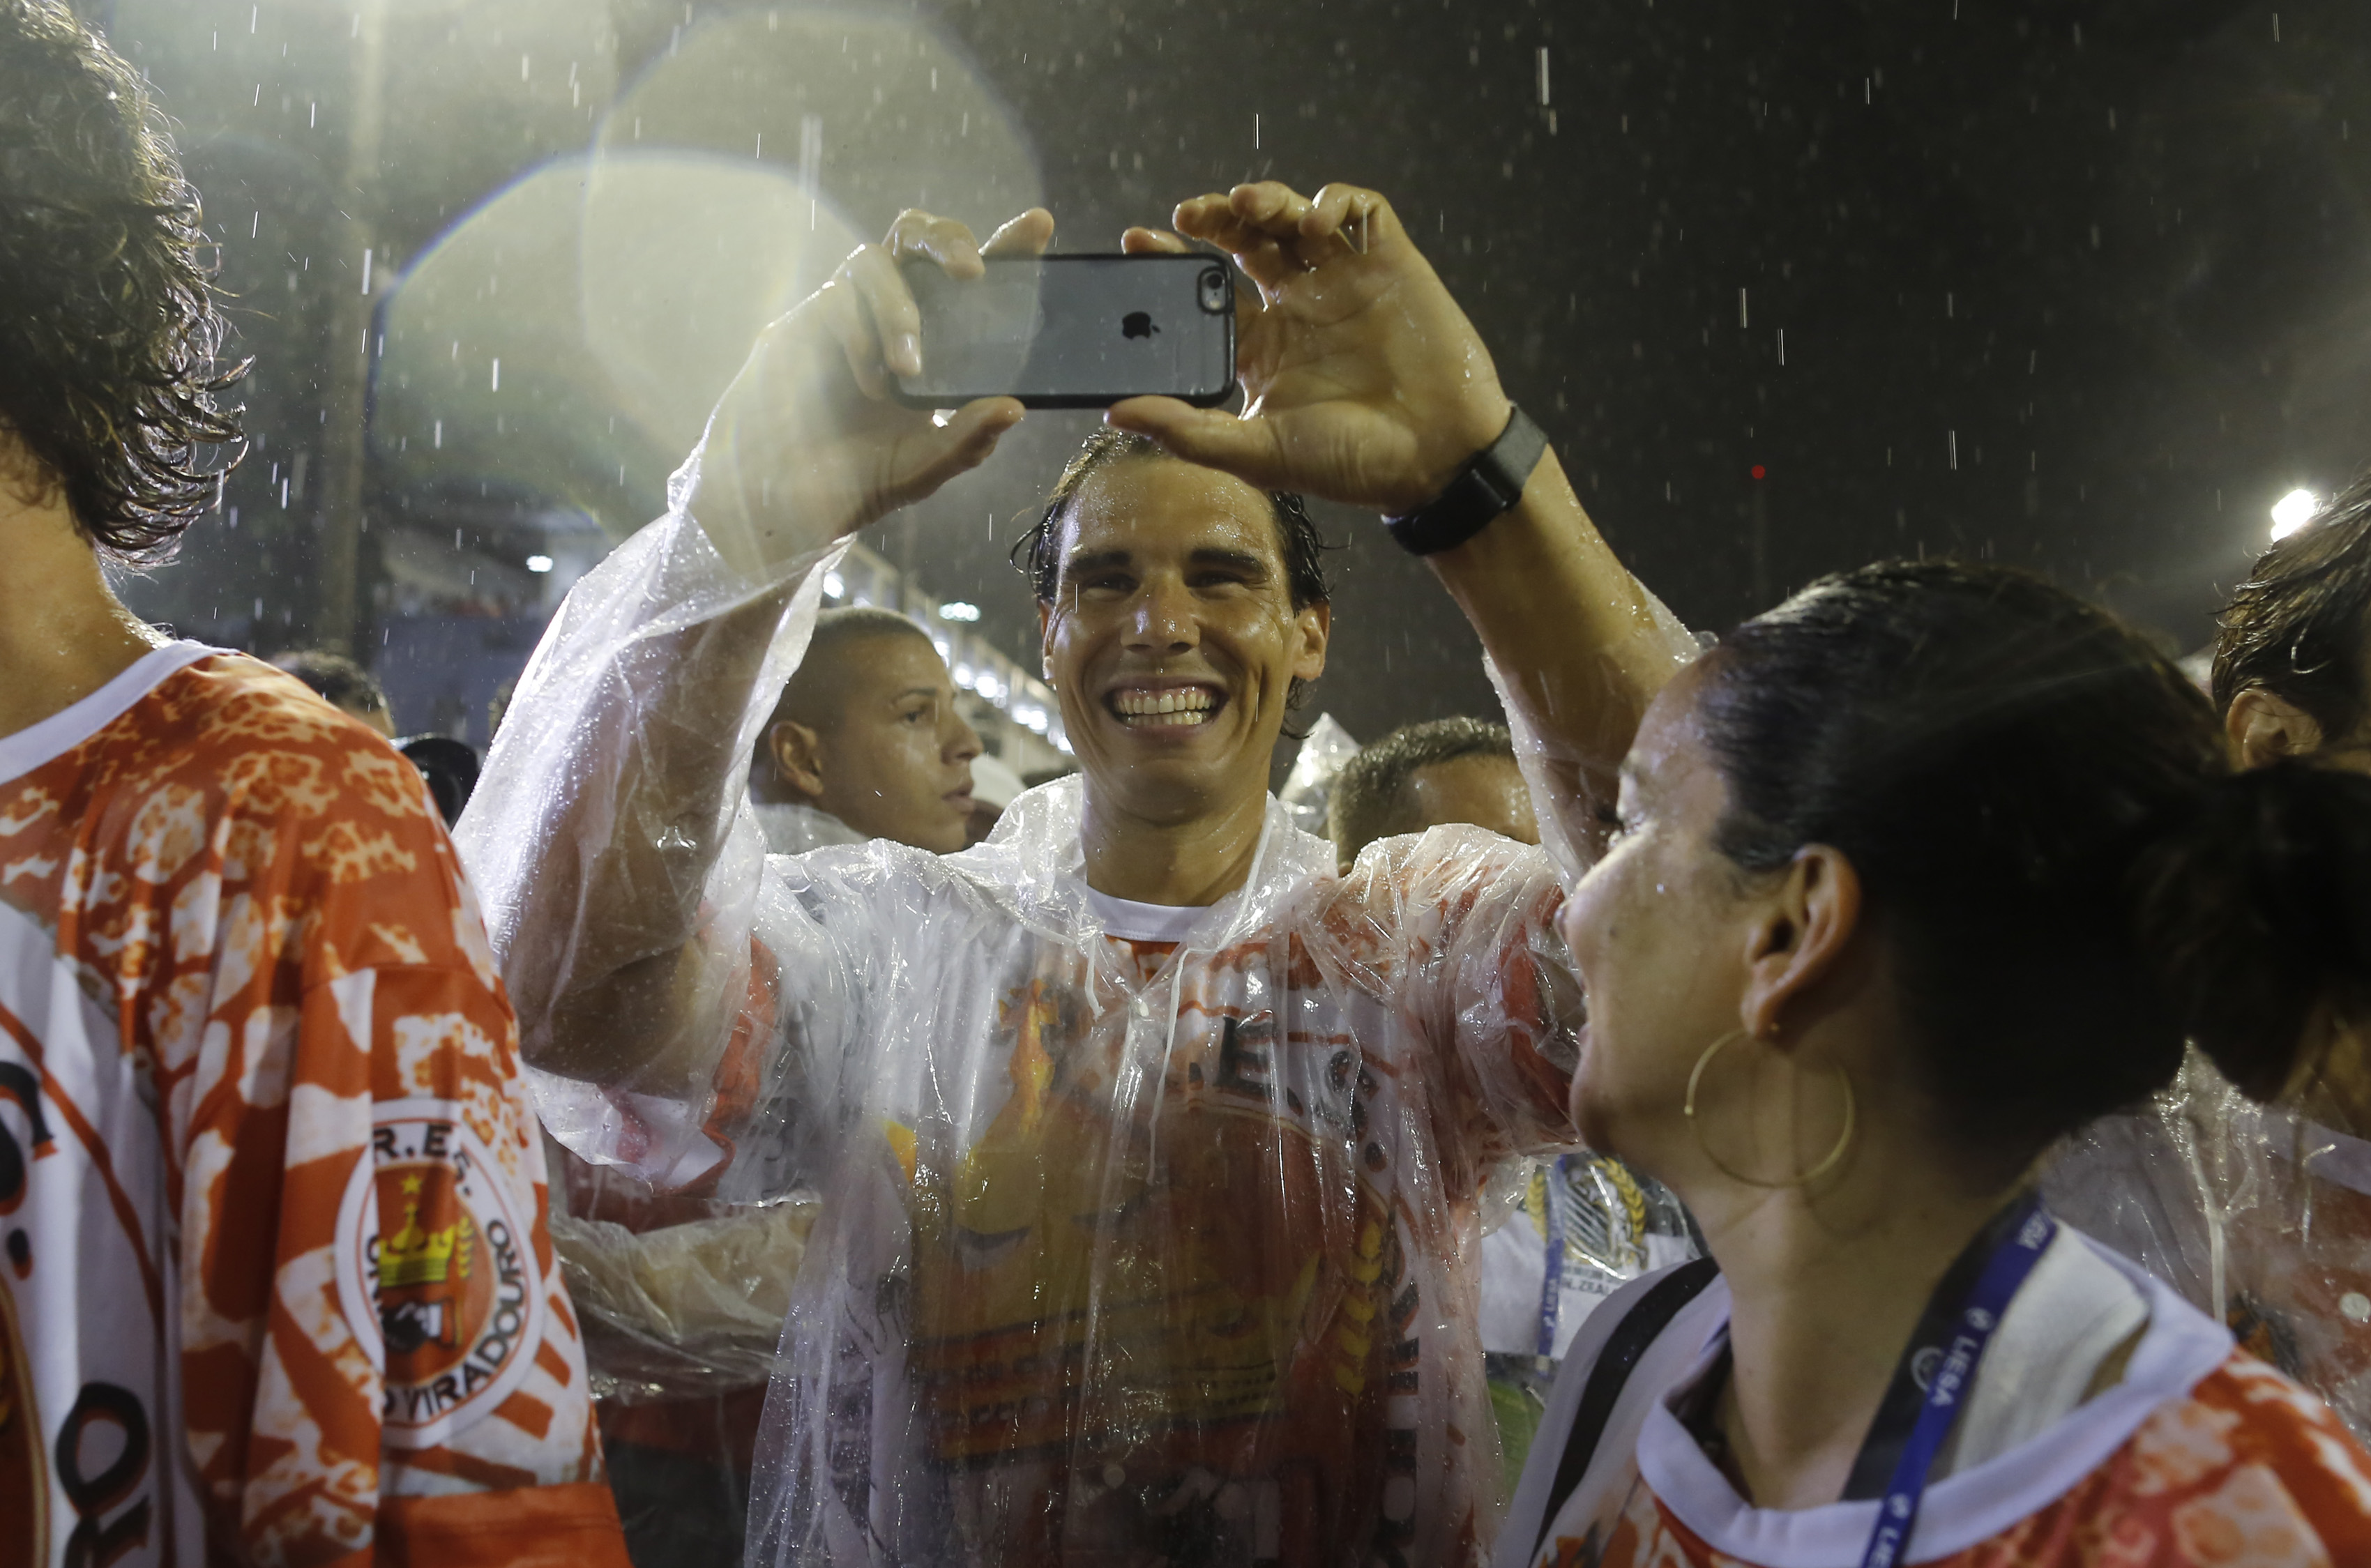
{"points": [[2005, 1272], [1554, 1200]]}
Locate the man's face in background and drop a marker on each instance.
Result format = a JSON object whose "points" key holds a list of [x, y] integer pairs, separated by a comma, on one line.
{"points": [[1484, 789], [884, 749]]}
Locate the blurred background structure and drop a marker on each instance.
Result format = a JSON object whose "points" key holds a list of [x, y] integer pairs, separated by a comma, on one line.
{"points": [[2084, 285]]}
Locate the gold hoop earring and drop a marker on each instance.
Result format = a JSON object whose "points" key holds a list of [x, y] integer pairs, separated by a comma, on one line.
{"points": [[1827, 1163]]}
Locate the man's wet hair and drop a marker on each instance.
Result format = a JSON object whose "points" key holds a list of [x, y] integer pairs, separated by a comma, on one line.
{"points": [[109, 376], [1370, 798], [2298, 627], [1039, 551], [341, 682], [2051, 840]]}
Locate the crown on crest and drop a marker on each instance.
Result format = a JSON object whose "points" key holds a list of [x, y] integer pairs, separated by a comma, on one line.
{"points": [[414, 1256]]}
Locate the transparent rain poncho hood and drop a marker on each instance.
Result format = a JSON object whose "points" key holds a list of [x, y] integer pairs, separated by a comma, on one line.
{"points": [[1130, 1250]]}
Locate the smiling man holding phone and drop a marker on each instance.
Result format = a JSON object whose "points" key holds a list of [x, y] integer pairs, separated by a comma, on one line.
{"points": [[1152, 1147]]}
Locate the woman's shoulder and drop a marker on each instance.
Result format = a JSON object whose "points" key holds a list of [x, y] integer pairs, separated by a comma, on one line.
{"points": [[1646, 1336], [2200, 1454], [2248, 1466]]}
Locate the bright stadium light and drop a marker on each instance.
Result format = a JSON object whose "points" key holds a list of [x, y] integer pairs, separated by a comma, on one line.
{"points": [[956, 610], [538, 563], [2293, 512]]}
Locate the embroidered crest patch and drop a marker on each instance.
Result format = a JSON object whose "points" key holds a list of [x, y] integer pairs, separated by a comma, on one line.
{"points": [[435, 1270]]}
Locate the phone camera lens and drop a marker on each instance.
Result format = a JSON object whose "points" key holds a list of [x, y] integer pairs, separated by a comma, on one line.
{"points": [[1214, 290]]}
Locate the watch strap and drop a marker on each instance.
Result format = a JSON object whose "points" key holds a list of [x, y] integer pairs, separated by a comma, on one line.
{"points": [[1491, 483]]}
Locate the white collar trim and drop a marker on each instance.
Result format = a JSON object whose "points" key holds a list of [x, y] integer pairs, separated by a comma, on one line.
{"points": [[2180, 1347], [1134, 922], [62, 732]]}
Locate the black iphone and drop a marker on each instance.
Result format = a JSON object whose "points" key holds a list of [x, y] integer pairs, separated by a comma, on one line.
{"points": [[1075, 331]]}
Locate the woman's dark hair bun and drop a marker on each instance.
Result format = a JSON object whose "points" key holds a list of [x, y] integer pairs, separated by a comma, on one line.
{"points": [[2257, 905], [2050, 838]]}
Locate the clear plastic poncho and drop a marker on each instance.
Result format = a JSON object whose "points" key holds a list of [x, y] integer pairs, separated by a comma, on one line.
{"points": [[1308, 786], [1128, 1251], [2261, 1216]]}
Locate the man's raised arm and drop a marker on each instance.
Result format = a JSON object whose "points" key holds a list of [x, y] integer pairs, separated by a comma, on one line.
{"points": [[619, 896], [1367, 384]]}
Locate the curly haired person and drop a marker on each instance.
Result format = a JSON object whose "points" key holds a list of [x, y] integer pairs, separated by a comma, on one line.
{"points": [[278, 1287]]}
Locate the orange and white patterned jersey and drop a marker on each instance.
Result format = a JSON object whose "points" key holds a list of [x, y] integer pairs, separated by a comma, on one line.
{"points": [[2201, 1457], [275, 1285]]}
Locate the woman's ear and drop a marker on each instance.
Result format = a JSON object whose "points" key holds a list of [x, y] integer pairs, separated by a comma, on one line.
{"points": [[1807, 921], [2264, 729], [796, 753]]}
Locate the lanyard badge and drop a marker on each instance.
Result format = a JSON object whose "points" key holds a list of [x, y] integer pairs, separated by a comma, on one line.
{"points": [[2004, 1274]]}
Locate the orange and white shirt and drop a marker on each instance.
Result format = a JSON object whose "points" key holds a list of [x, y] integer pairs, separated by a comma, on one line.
{"points": [[275, 1284], [2201, 1457]]}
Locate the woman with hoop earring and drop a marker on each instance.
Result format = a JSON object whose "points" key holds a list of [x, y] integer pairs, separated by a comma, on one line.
{"points": [[1911, 877]]}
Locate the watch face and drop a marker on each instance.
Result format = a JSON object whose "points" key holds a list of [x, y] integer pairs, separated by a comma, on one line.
{"points": [[1489, 484]]}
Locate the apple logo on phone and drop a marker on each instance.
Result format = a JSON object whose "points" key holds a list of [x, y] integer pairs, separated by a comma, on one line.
{"points": [[1137, 324]]}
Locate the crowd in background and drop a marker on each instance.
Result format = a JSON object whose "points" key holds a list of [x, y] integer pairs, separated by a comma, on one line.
{"points": [[820, 1146]]}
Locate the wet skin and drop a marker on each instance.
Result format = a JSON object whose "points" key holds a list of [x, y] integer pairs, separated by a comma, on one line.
{"points": [[1655, 930]]}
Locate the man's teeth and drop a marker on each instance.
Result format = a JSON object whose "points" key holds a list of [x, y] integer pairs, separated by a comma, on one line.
{"points": [[1191, 706]]}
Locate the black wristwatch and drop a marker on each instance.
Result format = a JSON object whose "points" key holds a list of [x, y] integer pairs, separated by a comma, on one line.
{"points": [[1488, 484]]}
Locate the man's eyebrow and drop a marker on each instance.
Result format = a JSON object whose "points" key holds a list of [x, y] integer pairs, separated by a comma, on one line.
{"points": [[1094, 561], [1243, 561]]}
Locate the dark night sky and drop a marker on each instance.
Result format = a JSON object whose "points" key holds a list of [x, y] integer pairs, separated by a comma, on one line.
{"points": [[2115, 256]]}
